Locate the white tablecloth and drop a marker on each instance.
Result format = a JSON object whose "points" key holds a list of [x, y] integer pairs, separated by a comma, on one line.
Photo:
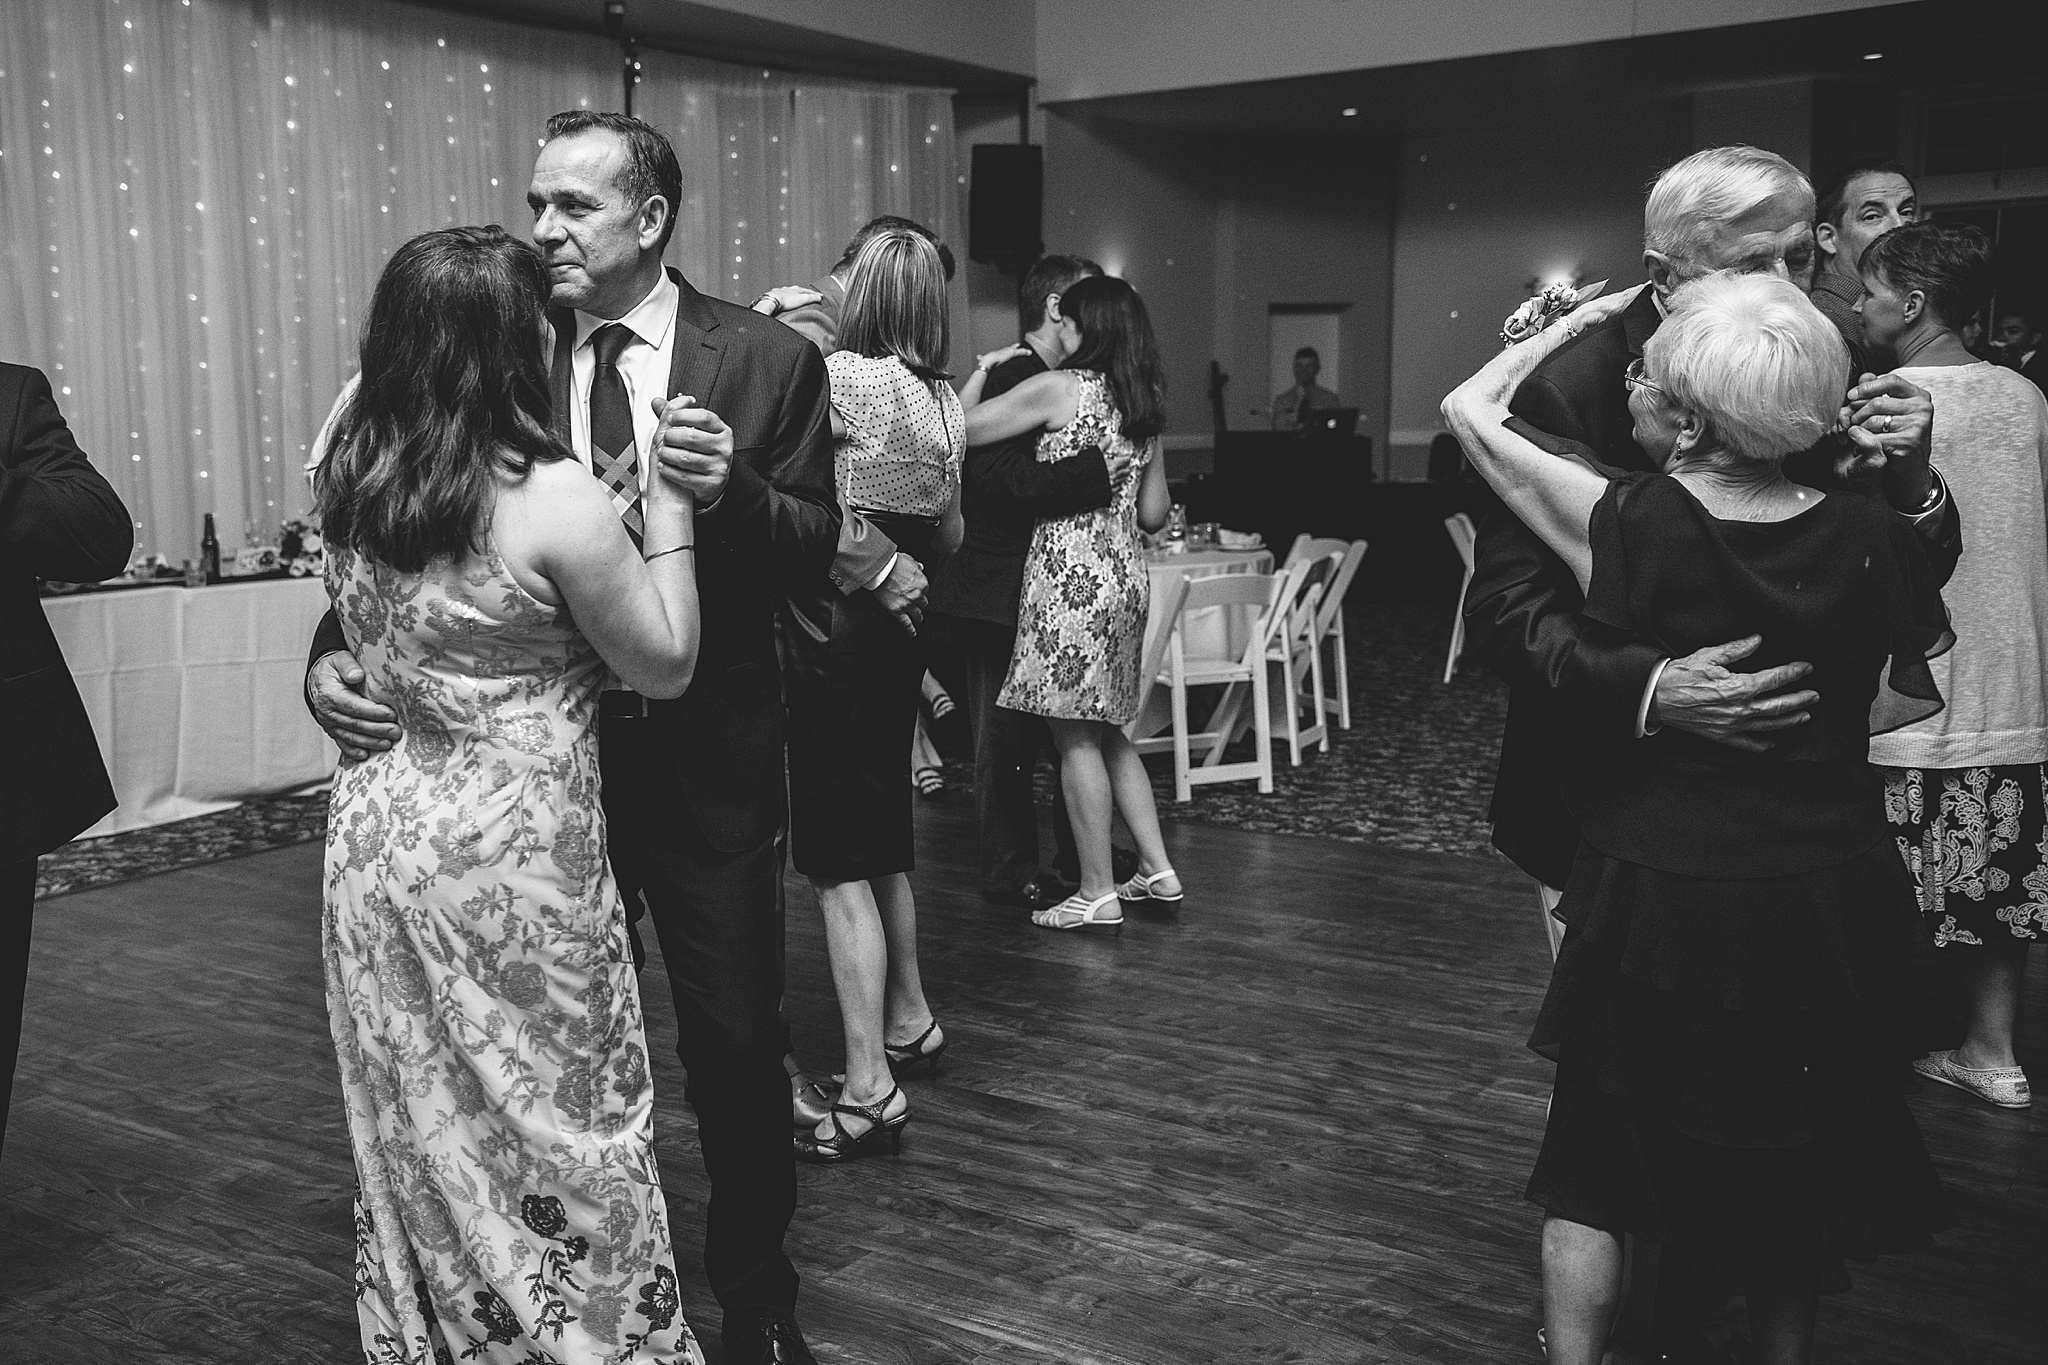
{"points": [[195, 693], [1208, 630]]}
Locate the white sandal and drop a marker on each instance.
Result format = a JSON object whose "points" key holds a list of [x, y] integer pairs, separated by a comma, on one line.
{"points": [[1078, 912], [1138, 889]]}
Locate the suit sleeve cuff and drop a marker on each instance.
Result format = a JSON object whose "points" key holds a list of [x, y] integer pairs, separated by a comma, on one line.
{"points": [[888, 567], [1643, 725], [1937, 501]]}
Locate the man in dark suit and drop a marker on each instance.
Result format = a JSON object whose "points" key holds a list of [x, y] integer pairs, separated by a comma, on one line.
{"points": [[58, 519], [2019, 346], [693, 788], [1571, 682], [1579, 690], [1004, 491]]}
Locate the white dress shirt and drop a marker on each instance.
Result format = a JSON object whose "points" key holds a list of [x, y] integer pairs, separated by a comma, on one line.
{"points": [[644, 365]]}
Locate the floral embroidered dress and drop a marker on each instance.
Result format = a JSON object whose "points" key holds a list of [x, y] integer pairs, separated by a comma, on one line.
{"points": [[1081, 620], [482, 996]]}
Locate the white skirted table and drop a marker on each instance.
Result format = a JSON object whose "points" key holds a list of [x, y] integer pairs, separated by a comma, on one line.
{"points": [[1209, 631], [195, 693]]}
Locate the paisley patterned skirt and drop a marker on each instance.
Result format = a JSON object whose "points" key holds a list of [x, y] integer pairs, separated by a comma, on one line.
{"points": [[1976, 842]]}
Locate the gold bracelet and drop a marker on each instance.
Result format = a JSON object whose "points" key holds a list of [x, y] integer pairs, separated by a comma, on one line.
{"points": [[672, 550]]}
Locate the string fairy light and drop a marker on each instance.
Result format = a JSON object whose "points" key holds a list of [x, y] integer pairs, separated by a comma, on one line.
{"points": [[202, 275]]}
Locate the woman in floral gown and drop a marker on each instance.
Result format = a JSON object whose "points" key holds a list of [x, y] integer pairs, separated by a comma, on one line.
{"points": [[479, 984], [1081, 620]]}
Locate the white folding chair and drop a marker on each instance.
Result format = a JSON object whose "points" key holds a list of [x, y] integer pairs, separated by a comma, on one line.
{"points": [[1463, 535], [1330, 614], [1296, 654], [1260, 600]]}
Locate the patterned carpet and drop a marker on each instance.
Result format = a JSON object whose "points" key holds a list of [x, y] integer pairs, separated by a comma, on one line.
{"points": [[1414, 772]]}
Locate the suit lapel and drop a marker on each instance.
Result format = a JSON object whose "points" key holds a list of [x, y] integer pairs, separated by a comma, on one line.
{"points": [[1640, 319], [699, 351]]}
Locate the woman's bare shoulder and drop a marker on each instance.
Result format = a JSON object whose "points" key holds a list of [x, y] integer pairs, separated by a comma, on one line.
{"points": [[557, 496]]}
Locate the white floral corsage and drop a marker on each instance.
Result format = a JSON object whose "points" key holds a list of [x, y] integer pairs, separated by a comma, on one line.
{"points": [[1542, 309]]}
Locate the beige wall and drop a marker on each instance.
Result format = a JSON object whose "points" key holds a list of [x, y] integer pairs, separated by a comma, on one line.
{"points": [[1142, 202], [1091, 48], [1480, 214], [1304, 224]]}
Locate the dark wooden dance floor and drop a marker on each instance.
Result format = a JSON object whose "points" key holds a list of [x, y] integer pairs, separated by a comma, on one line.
{"points": [[1290, 1124]]}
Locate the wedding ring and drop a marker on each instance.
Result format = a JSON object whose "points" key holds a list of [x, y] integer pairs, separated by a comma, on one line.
{"points": [[1887, 427]]}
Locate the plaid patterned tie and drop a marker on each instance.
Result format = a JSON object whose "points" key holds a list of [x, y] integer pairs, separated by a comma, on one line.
{"points": [[612, 457]]}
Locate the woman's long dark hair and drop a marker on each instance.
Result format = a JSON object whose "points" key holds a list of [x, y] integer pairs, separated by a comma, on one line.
{"points": [[1116, 338], [453, 389]]}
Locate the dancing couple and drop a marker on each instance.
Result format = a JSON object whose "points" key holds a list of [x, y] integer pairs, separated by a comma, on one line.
{"points": [[1710, 579], [565, 498]]}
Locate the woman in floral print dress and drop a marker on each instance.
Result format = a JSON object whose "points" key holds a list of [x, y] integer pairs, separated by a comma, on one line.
{"points": [[479, 983], [1081, 620]]}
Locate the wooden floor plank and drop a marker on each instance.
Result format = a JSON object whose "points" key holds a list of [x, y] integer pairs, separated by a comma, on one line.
{"points": [[1289, 1123]]}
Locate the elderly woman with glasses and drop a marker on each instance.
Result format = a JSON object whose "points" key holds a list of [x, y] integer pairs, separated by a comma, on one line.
{"points": [[1725, 1008]]}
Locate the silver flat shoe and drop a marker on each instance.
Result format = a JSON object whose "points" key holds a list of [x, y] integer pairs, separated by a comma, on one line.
{"points": [[2004, 1086]]}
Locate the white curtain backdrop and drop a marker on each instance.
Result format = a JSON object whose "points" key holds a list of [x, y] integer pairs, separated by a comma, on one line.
{"points": [[196, 197], [779, 170]]}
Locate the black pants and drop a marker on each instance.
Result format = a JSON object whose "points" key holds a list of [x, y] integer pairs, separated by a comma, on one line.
{"points": [[1006, 748], [17, 913], [718, 917]]}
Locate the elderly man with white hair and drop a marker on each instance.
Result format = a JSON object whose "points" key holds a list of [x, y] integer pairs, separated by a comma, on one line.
{"points": [[1727, 208], [1727, 1009]]}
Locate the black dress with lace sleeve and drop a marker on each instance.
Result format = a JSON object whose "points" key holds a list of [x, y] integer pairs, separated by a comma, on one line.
{"points": [[1844, 586], [1726, 1009]]}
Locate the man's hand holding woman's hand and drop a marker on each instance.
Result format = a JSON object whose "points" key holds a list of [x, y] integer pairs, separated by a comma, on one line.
{"points": [[1890, 425], [695, 449]]}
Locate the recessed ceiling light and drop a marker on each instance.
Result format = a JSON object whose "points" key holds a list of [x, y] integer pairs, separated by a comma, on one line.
{"points": [[1872, 56], [1351, 112]]}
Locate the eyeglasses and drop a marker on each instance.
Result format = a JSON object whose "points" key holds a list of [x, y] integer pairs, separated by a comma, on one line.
{"points": [[1633, 377]]}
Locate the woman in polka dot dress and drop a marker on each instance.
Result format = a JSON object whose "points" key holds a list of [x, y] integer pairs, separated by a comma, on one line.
{"points": [[854, 681]]}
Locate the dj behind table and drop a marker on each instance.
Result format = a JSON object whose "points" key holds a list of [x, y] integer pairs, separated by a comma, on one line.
{"points": [[1320, 480]]}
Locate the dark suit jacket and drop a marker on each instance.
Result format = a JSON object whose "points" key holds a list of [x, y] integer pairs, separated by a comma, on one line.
{"points": [[819, 322], [772, 533], [1575, 687], [58, 519], [1005, 489], [2036, 369]]}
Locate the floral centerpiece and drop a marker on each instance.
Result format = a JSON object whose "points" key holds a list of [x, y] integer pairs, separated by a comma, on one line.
{"points": [[300, 549]]}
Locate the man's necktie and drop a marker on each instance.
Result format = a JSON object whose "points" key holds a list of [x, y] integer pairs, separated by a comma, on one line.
{"points": [[1301, 409], [612, 457]]}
